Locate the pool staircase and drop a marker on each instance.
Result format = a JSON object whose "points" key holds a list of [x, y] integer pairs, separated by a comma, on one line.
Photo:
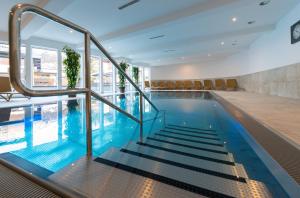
{"points": [[176, 161]]}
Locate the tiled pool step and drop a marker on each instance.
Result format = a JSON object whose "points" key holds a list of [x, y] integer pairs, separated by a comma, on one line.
{"points": [[196, 144], [187, 134], [201, 183], [191, 128], [208, 133], [228, 170]]}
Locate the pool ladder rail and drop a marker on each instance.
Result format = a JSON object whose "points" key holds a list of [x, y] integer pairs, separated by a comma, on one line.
{"points": [[15, 65]]}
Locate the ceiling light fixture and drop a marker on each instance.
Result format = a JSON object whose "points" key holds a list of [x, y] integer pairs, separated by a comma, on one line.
{"points": [[156, 37], [222, 43], [263, 3], [251, 22], [234, 19], [128, 4], [71, 31], [209, 55], [170, 50]]}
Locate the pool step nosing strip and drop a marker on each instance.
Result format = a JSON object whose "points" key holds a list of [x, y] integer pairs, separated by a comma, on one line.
{"points": [[188, 154], [190, 140], [193, 128], [181, 165], [189, 135], [197, 132], [189, 146], [163, 179]]}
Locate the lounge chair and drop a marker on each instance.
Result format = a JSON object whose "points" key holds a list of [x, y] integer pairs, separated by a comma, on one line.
{"points": [[220, 84], [170, 85], [6, 91], [178, 84], [231, 84], [162, 85], [187, 84], [147, 84], [198, 85], [154, 85], [208, 85]]}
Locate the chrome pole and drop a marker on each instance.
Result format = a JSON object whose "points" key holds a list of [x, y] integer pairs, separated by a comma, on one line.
{"points": [[88, 95], [141, 118]]}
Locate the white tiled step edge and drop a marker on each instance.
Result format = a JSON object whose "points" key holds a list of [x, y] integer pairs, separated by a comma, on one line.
{"points": [[190, 150], [189, 137], [213, 147], [204, 164], [212, 183]]}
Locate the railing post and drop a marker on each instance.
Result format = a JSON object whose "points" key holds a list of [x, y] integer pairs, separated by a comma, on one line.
{"points": [[141, 117], [88, 96]]}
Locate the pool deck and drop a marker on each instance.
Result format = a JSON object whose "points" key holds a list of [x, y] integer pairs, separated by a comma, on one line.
{"points": [[281, 115]]}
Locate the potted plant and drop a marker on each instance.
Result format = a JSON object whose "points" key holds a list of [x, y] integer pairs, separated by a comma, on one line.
{"points": [[135, 75], [122, 80], [71, 67]]}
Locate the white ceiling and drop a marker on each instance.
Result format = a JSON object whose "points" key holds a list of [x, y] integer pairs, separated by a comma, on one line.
{"points": [[192, 28]]}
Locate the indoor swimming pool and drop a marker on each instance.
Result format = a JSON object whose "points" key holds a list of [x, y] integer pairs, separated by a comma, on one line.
{"points": [[52, 136]]}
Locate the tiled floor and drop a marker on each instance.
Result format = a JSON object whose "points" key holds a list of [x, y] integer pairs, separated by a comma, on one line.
{"points": [[280, 114]]}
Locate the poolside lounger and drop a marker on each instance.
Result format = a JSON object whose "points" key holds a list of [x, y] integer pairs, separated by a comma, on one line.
{"points": [[147, 84], [178, 84], [198, 85], [6, 91], [220, 84], [231, 84], [162, 85], [187, 84], [154, 85], [170, 85], [208, 85]]}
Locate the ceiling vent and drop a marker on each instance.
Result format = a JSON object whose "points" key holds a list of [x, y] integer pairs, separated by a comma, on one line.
{"points": [[128, 4], [170, 50], [156, 37]]}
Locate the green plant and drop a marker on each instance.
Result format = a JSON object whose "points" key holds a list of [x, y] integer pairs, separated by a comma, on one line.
{"points": [[135, 74], [122, 79], [72, 66]]}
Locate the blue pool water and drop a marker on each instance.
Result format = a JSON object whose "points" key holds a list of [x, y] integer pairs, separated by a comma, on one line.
{"points": [[52, 135]]}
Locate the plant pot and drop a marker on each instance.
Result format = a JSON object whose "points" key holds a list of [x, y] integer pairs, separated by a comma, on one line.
{"points": [[122, 90], [72, 95], [72, 103]]}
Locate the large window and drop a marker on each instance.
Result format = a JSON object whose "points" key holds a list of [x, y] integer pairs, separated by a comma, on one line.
{"points": [[45, 64], [4, 60], [95, 73], [107, 77]]}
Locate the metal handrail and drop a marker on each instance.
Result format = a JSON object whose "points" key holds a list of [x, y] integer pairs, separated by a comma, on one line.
{"points": [[15, 76]]}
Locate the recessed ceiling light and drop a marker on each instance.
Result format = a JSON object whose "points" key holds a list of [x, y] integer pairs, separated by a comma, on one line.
{"points": [[156, 37], [263, 3], [222, 43], [209, 55], [234, 19], [71, 31], [251, 22], [128, 4]]}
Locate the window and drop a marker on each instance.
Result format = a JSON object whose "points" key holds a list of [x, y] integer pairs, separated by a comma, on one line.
{"points": [[95, 71], [107, 77], [44, 67], [4, 60]]}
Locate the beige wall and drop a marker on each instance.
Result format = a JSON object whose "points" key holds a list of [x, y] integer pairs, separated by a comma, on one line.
{"points": [[283, 81]]}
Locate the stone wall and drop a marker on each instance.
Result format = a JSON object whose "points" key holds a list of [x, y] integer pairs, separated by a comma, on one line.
{"points": [[283, 81]]}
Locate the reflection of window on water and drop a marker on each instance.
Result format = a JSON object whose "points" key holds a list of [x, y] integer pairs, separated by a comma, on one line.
{"points": [[45, 129], [44, 67]]}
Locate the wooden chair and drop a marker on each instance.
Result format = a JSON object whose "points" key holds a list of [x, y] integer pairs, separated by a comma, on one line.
{"points": [[220, 84], [154, 85], [6, 91], [198, 85], [187, 84], [208, 85], [231, 84], [178, 84], [170, 85], [162, 85], [147, 84]]}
